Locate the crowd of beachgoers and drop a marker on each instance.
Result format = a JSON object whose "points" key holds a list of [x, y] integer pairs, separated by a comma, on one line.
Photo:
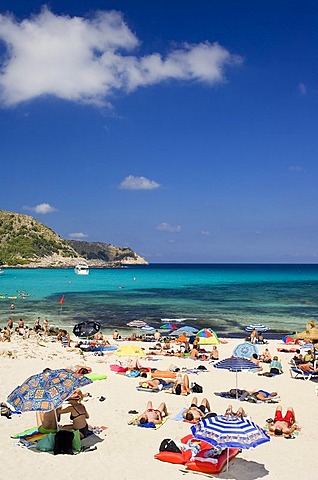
{"points": [[184, 368]]}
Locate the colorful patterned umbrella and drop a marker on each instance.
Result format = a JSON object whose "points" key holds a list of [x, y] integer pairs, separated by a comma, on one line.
{"points": [[230, 431], [245, 350], [46, 390], [168, 326], [207, 336]]}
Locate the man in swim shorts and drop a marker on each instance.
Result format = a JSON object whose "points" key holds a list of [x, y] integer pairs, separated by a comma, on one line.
{"points": [[282, 425], [195, 413]]}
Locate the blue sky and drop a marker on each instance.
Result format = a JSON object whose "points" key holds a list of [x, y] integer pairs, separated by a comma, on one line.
{"points": [[184, 130]]}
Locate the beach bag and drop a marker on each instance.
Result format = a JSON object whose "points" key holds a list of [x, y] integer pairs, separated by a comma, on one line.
{"points": [[46, 444], [132, 373], [197, 388], [168, 445], [5, 410], [63, 442]]}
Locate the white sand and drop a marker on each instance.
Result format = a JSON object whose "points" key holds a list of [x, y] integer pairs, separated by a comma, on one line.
{"points": [[125, 451]]}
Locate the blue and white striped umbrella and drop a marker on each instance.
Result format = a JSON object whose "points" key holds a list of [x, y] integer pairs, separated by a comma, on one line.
{"points": [[148, 328], [229, 431], [258, 327], [235, 364], [245, 350]]}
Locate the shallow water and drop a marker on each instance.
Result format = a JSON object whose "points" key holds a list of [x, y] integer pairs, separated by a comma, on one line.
{"points": [[224, 297]]}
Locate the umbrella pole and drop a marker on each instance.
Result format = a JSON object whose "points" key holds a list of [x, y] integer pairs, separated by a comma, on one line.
{"points": [[227, 459], [236, 385], [57, 423]]}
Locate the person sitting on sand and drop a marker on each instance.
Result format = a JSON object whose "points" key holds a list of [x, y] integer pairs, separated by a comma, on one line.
{"points": [[266, 356], [10, 324], [6, 335], [214, 355], [282, 425], [47, 421], [116, 335], [78, 415], [254, 359], [275, 368], [152, 415], [240, 413], [181, 385], [298, 358], [195, 413], [194, 353]]}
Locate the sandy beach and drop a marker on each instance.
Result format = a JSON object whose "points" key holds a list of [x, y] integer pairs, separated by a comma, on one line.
{"points": [[127, 452]]}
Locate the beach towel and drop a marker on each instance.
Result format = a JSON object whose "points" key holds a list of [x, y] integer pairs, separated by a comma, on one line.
{"points": [[147, 389], [179, 416], [96, 376]]}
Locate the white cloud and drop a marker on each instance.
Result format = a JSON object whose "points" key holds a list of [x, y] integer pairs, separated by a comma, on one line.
{"points": [[204, 232], [78, 235], [138, 183], [166, 227], [88, 59], [42, 208], [302, 88], [295, 168]]}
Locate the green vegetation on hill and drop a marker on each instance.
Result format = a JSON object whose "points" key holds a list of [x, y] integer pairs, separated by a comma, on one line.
{"points": [[23, 240]]}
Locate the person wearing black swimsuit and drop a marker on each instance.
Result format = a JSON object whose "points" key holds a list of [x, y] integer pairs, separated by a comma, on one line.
{"points": [[78, 415]]}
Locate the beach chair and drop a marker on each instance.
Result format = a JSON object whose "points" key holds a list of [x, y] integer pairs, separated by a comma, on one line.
{"points": [[296, 372]]}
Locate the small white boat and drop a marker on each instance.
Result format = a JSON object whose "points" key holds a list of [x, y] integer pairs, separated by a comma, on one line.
{"points": [[1, 271], [81, 269]]}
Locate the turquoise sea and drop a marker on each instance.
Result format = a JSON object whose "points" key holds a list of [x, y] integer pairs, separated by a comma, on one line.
{"points": [[222, 296]]}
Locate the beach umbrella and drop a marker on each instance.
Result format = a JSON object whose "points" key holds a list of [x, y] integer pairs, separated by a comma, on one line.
{"points": [[245, 350], [86, 329], [207, 336], [46, 390], [289, 339], [230, 431], [168, 326], [259, 327], [147, 328], [235, 364], [187, 330], [137, 323], [129, 351]]}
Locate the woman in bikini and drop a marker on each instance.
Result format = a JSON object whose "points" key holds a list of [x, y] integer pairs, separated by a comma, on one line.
{"points": [[152, 415], [78, 415]]}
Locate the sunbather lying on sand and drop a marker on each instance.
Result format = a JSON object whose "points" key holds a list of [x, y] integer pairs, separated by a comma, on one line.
{"points": [[240, 413], [195, 413], [153, 415], [282, 425]]}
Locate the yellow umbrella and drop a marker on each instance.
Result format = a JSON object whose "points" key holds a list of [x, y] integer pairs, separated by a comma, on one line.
{"points": [[130, 351]]}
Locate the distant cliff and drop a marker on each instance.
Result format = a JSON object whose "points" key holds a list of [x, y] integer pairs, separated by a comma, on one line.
{"points": [[25, 242], [106, 252]]}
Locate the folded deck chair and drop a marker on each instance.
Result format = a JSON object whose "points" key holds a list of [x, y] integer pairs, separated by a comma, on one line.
{"points": [[301, 374]]}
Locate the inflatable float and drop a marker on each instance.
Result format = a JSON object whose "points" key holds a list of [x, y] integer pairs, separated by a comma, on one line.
{"points": [[203, 461]]}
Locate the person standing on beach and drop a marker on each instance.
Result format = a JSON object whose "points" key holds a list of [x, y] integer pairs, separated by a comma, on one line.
{"points": [[45, 326], [10, 324]]}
